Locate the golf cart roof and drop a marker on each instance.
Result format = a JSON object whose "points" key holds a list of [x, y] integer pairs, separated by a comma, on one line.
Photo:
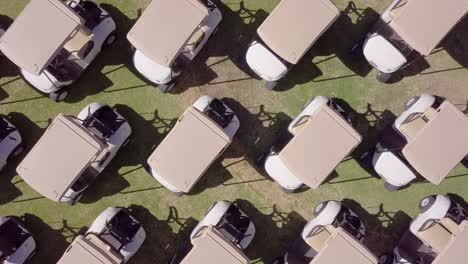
{"points": [[211, 247], [424, 23], [90, 250], [294, 26], [38, 33], [341, 247], [188, 150], [164, 28], [59, 157], [440, 145], [319, 146], [456, 249]]}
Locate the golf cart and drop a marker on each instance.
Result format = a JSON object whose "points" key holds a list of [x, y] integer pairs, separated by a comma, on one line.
{"points": [[210, 247], [322, 138], [409, 29], [163, 49], [11, 145], [427, 139], [286, 35], [73, 151], [17, 245], [54, 42], [229, 220], [113, 238], [335, 229], [199, 137], [438, 235]]}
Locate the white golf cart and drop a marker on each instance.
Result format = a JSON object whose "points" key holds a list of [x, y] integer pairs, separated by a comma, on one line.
{"points": [[199, 137], [54, 42], [286, 36], [408, 27], [94, 136], [17, 245], [437, 235], [11, 145], [163, 49], [113, 238], [210, 246], [430, 142], [323, 137], [228, 219], [335, 228]]}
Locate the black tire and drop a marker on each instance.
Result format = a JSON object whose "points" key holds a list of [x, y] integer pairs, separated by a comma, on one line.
{"points": [[426, 203], [179, 194], [319, 209], [164, 88], [390, 187], [16, 152], [59, 95], [384, 77], [288, 191], [270, 85], [110, 40]]}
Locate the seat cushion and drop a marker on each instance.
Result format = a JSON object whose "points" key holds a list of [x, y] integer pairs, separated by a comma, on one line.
{"points": [[437, 237]]}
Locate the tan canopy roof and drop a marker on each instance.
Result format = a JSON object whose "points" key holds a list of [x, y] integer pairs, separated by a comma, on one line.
{"points": [[165, 27], [294, 26], [38, 33], [188, 150], [212, 248], [90, 250], [440, 145], [343, 248], [59, 157], [319, 146], [456, 249], [424, 23]]}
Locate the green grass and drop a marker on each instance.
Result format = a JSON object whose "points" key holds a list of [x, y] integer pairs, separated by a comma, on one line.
{"points": [[327, 70]]}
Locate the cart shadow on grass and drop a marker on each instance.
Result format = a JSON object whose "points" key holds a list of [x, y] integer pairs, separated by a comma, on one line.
{"points": [[336, 43], [30, 133], [274, 230], [51, 242], [383, 229], [161, 241], [148, 130]]}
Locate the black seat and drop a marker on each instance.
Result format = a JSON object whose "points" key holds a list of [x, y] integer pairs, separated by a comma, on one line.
{"points": [[104, 122]]}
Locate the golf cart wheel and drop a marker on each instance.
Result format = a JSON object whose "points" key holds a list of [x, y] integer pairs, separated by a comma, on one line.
{"points": [[384, 77], [411, 102], [164, 88], [16, 152], [109, 40], [179, 194], [58, 96], [270, 85], [426, 203], [288, 191], [319, 209], [390, 187], [127, 141]]}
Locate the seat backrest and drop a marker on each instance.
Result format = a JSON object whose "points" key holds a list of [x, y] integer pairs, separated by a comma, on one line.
{"points": [[449, 224], [78, 44], [412, 126], [195, 40], [317, 242]]}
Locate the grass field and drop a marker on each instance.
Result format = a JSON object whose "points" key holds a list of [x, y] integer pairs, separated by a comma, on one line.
{"points": [[220, 70]]}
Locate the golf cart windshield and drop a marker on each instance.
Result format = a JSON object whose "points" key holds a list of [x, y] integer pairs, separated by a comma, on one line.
{"points": [[161, 41], [424, 23], [12, 236], [294, 26], [39, 33], [120, 230]]}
